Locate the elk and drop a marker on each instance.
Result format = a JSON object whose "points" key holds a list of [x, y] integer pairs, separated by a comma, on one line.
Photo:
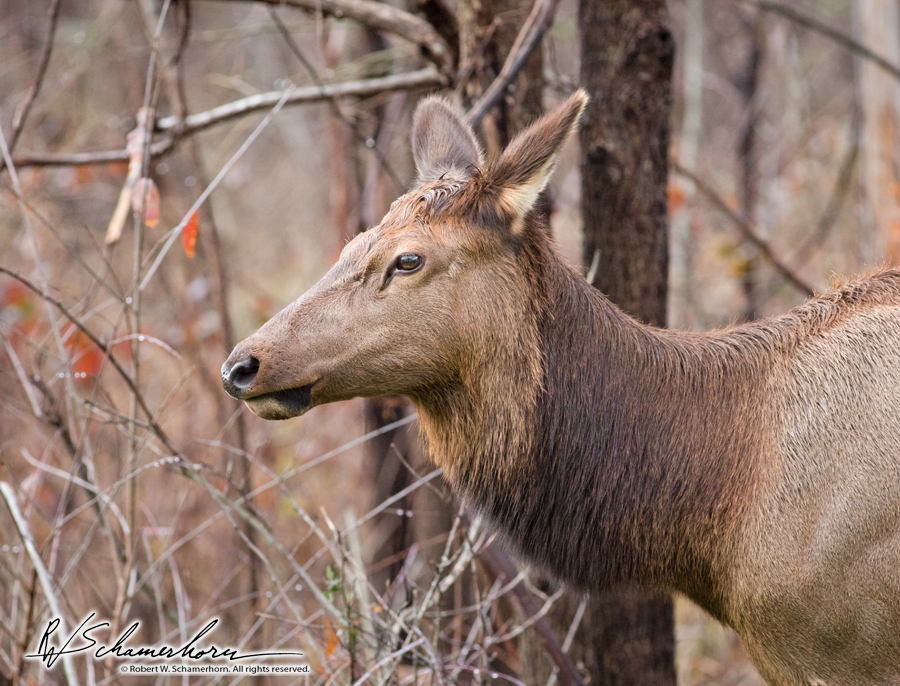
{"points": [[755, 470]]}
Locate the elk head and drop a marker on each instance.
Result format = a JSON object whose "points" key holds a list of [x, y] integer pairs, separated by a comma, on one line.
{"points": [[414, 304]]}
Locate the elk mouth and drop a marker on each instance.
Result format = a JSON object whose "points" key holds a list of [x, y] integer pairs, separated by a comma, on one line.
{"points": [[283, 404]]}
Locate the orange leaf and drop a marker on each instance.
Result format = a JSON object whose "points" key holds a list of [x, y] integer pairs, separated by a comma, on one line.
{"points": [[676, 197], [331, 639], [86, 359], [15, 295], [20, 307], [189, 235]]}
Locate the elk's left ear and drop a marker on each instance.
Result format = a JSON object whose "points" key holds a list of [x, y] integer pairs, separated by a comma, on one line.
{"points": [[524, 168]]}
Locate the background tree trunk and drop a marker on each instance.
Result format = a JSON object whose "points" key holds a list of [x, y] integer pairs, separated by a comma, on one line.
{"points": [[747, 82], [627, 54]]}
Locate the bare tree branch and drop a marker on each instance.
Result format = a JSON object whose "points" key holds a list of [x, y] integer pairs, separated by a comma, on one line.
{"points": [[530, 35], [423, 78], [443, 19], [826, 30], [178, 128], [764, 248], [382, 17], [107, 352], [25, 107], [503, 567], [9, 495], [839, 193], [335, 104], [76, 159]]}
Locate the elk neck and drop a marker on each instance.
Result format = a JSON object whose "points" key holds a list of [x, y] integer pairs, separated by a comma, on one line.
{"points": [[611, 452]]}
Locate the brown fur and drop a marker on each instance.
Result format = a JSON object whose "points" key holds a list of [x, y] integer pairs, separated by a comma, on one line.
{"points": [[756, 469]]}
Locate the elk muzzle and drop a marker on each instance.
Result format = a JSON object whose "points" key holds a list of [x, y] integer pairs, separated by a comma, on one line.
{"points": [[240, 376]]}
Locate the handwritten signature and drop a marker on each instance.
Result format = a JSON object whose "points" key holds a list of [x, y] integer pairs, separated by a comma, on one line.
{"points": [[49, 654]]}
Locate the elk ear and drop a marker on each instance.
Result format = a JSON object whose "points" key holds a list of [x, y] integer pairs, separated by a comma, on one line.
{"points": [[442, 142], [524, 168]]}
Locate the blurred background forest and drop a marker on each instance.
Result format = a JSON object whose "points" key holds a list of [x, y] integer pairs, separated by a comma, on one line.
{"points": [[271, 133]]}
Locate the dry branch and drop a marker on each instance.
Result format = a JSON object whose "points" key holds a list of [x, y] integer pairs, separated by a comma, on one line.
{"points": [[25, 107], [764, 248], [423, 78], [382, 17], [820, 27], [502, 566], [177, 128], [78, 159], [841, 189], [107, 352], [9, 495], [529, 37]]}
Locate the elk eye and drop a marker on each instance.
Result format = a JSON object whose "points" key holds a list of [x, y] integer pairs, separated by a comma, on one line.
{"points": [[408, 262]]}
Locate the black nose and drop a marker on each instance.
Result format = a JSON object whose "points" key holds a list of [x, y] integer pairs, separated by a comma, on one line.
{"points": [[240, 376]]}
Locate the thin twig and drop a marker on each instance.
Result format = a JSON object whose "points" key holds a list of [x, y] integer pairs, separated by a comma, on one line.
{"points": [[77, 159], [748, 232], [529, 37], [826, 30], [503, 566], [174, 233], [835, 202], [25, 107], [189, 469], [335, 101], [9, 495], [107, 351]]}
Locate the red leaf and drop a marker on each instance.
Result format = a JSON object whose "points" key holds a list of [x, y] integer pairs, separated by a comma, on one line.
{"points": [[189, 235]]}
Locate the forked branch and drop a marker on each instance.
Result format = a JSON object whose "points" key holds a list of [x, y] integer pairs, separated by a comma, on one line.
{"points": [[383, 17]]}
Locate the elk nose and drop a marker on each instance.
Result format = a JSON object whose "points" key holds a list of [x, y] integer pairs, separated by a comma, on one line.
{"points": [[240, 376]]}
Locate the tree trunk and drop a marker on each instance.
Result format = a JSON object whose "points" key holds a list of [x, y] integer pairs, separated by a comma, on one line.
{"points": [[748, 172], [626, 65], [627, 53]]}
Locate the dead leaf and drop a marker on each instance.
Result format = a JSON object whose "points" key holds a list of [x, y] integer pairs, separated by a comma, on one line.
{"points": [[331, 639], [145, 199], [137, 139], [189, 235]]}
